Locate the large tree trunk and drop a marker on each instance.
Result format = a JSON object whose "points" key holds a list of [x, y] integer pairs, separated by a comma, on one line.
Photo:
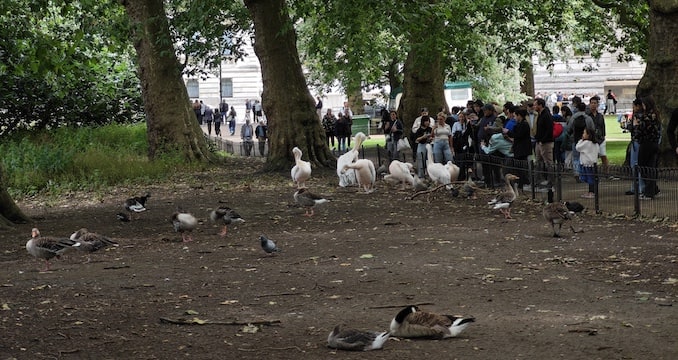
{"points": [[9, 212], [422, 85], [661, 74], [289, 106], [527, 80], [171, 123]]}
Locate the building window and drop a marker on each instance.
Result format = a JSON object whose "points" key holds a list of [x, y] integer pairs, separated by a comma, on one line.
{"points": [[193, 88], [226, 87]]}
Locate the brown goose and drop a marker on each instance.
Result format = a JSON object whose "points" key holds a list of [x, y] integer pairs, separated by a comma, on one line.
{"points": [[308, 200], [90, 242], [410, 322], [557, 214], [504, 199], [46, 248], [226, 216], [184, 223], [356, 340]]}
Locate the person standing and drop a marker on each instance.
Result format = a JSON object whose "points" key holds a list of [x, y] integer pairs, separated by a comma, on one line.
{"points": [[635, 145], [217, 122], [671, 131], [599, 122], [442, 140], [223, 109], [648, 131], [543, 150], [256, 109], [248, 108], [196, 111], [246, 134], [421, 138], [329, 123], [588, 155], [522, 144], [348, 114], [611, 102], [395, 130], [231, 123], [262, 135], [207, 118], [319, 106]]}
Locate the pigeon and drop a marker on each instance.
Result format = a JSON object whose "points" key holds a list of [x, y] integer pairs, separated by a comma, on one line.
{"points": [[356, 340], [268, 245], [90, 242], [137, 204], [184, 223], [226, 216], [46, 248]]}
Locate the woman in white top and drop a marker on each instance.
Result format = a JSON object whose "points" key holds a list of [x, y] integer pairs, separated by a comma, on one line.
{"points": [[588, 157], [442, 140]]}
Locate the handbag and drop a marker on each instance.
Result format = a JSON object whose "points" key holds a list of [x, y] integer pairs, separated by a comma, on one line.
{"points": [[403, 144]]}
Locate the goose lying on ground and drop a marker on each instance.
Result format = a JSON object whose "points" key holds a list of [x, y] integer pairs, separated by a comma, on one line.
{"points": [[410, 322], [356, 340], [89, 242]]}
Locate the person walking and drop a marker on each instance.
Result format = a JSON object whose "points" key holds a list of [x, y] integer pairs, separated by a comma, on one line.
{"points": [[207, 118], [217, 122], [231, 123], [262, 135], [246, 134], [544, 137]]}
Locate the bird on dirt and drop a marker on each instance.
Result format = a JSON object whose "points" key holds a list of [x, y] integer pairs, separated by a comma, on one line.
{"points": [[365, 173], [90, 242], [575, 207], [184, 223], [344, 338], [268, 245], [308, 200], [136, 204], [400, 173], [122, 217], [411, 322], [348, 178], [301, 171], [470, 187], [556, 214], [226, 216], [504, 199], [46, 248], [439, 173]]}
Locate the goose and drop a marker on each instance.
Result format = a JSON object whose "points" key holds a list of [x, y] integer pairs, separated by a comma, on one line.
{"points": [[47, 248], [90, 242], [308, 200], [574, 206], [301, 171], [365, 173], [226, 216], [268, 245], [504, 199], [436, 171], [184, 223], [343, 338], [470, 187], [557, 214], [137, 204], [400, 173], [348, 178], [410, 322]]}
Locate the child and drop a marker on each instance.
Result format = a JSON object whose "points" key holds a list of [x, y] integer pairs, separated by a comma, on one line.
{"points": [[588, 156]]}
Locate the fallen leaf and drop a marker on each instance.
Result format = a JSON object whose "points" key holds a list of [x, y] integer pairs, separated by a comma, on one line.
{"points": [[198, 321], [366, 256], [228, 302], [250, 329], [5, 307], [192, 312]]}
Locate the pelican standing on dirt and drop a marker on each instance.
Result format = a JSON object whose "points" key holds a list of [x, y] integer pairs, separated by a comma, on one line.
{"points": [[410, 322], [46, 248], [348, 178], [343, 338], [439, 173], [90, 242], [226, 216], [308, 200], [365, 173], [184, 223], [301, 171], [504, 199]]}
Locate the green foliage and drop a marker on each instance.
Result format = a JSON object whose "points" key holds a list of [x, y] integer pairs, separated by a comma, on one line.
{"points": [[81, 158]]}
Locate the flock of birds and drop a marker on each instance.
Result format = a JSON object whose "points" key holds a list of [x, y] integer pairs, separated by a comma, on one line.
{"points": [[410, 322]]}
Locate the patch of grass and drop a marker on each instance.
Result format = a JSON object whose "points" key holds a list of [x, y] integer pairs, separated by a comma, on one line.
{"points": [[81, 159]]}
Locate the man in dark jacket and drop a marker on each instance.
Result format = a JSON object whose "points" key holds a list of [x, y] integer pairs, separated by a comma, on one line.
{"points": [[544, 137]]}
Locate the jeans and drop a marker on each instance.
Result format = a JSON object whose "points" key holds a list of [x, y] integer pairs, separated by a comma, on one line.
{"points": [[248, 144], [421, 159], [342, 144], [392, 147], [633, 161], [441, 152], [576, 165]]}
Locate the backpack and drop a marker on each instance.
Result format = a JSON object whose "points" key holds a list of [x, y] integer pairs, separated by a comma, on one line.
{"points": [[557, 129]]}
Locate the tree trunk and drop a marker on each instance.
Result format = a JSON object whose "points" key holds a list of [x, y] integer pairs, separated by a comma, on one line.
{"points": [[527, 81], [661, 74], [422, 85], [287, 102], [170, 121], [9, 212]]}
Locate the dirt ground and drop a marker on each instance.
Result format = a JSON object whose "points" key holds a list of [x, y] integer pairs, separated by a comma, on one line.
{"points": [[606, 293]]}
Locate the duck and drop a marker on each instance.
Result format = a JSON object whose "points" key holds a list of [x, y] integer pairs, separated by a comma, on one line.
{"points": [[344, 338], [411, 322], [504, 199], [184, 223], [557, 213], [137, 204], [366, 175], [348, 178], [308, 200], [226, 216], [401, 173], [46, 248], [436, 171], [574, 206], [90, 242], [301, 171]]}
